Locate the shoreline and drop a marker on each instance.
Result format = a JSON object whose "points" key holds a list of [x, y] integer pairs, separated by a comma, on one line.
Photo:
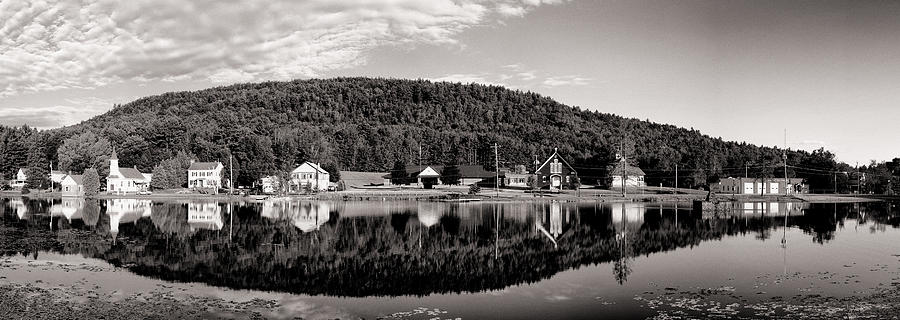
{"points": [[461, 195]]}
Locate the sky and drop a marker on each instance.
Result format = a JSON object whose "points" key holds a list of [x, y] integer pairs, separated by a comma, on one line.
{"points": [[826, 72]]}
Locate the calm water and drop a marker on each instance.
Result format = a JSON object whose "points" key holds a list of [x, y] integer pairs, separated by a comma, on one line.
{"points": [[473, 261]]}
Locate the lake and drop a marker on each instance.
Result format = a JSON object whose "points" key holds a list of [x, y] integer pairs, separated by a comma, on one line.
{"points": [[438, 260]]}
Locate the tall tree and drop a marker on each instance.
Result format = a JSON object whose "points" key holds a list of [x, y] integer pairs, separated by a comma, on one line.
{"points": [[91, 183], [38, 169], [399, 174], [450, 175], [84, 151]]}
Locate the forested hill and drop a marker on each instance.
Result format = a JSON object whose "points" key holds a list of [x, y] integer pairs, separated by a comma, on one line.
{"points": [[369, 124]]}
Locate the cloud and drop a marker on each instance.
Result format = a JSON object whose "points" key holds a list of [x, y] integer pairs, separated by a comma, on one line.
{"points": [[58, 44], [466, 78], [571, 80], [71, 112]]}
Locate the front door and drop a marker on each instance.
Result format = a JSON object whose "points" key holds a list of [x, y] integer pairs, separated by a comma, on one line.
{"points": [[555, 182]]}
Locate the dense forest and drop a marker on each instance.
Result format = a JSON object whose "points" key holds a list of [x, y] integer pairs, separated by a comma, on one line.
{"points": [[368, 124]]}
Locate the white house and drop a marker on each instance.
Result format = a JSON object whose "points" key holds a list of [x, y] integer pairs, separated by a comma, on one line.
{"points": [[633, 176], [205, 175], [125, 180], [72, 186], [19, 181], [310, 175]]}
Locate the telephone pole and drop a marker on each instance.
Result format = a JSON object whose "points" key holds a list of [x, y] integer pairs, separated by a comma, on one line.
{"points": [[784, 156], [496, 171], [676, 179], [624, 169], [231, 174]]}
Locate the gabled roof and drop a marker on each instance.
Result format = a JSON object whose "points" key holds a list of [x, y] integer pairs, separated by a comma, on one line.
{"points": [[132, 173], [77, 178], [556, 154], [204, 165], [314, 166], [632, 170]]}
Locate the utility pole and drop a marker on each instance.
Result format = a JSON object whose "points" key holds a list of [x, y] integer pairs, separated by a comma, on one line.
{"points": [[784, 156], [420, 156], [835, 182], [231, 174], [746, 170], [676, 179], [858, 180], [496, 171], [624, 170]]}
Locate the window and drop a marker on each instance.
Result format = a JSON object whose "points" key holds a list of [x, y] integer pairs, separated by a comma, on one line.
{"points": [[555, 166]]}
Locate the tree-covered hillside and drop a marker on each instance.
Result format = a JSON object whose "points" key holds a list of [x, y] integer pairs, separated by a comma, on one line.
{"points": [[368, 124]]}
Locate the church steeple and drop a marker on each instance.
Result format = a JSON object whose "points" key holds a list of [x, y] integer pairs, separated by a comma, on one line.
{"points": [[114, 164]]}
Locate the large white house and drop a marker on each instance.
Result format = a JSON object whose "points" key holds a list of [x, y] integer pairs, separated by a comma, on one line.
{"points": [[205, 175], [310, 176], [125, 180]]}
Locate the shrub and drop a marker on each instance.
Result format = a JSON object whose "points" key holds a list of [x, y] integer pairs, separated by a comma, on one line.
{"points": [[474, 189]]}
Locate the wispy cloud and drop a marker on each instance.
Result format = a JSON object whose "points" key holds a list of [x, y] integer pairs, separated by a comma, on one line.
{"points": [[59, 44], [571, 80]]}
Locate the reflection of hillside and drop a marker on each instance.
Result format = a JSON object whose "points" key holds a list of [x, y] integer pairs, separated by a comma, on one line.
{"points": [[457, 248]]}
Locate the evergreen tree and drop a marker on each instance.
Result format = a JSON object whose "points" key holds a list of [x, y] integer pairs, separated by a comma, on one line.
{"points": [[450, 175], [38, 170], [91, 183], [399, 174]]}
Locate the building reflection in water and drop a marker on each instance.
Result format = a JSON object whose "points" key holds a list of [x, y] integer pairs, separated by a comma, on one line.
{"points": [[205, 215], [122, 211], [429, 213], [19, 207], [306, 216], [70, 208]]}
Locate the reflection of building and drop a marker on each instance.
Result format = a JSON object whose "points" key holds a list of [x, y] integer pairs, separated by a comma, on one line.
{"points": [[429, 213], [633, 212], [125, 180], [556, 221], [307, 216], [206, 215], [19, 207], [123, 211], [760, 186], [773, 208], [71, 208]]}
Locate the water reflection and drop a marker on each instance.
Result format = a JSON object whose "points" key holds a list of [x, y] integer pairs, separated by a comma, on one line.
{"points": [[393, 248]]}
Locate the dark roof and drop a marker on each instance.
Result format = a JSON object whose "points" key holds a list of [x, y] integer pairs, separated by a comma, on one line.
{"points": [[632, 170], [465, 171], [475, 171], [203, 166], [132, 173]]}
